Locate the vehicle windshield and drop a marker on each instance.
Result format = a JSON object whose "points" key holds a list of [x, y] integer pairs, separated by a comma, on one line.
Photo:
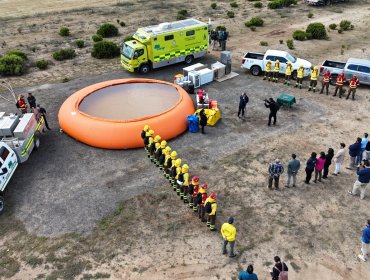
{"points": [[291, 58], [127, 51]]}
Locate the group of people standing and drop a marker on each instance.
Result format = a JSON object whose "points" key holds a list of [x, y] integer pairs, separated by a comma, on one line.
{"points": [[191, 192], [37, 110], [272, 73], [218, 37]]}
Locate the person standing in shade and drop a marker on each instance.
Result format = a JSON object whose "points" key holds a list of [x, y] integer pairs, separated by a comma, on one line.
{"points": [[364, 142], [365, 242], [31, 100], [203, 119], [310, 167], [42, 112], [228, 232], [248, 274], [329, 157], [243, 100], [280, 267], [363, 172], [319, 166], [274, 108], [293, 167], [339, 159], [354, 151], [275, 170]]}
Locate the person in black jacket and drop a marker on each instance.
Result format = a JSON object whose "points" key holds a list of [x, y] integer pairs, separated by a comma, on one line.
{"points": [[279, 266], [310, 167], [31, 100], [42, 113], [242, 104], [328, 158], [274, 107], [203, 119]]}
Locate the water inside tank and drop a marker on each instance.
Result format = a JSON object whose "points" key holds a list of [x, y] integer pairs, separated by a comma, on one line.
{"points": [[130, 101]]}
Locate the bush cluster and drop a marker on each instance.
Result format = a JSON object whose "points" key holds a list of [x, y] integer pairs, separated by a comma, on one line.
{"points": [[107, 30], [220, 28], [255, 21], [12, 65], [234, 4], [345, 25], [230, 14], [310, 15], [182, 14], [97, 38], [105, 49], [64, 31], [42, 64], [17, 53], [299, 35], [316, 30], [64, 54], [277, 4], [333, 26], [258, 5], [80, 43], [264, 43], [213, 5], [290, 44]]}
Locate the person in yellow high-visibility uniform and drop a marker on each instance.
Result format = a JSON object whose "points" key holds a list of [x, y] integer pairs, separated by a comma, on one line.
{"points": [[228, 232], [148, 136], [300, 75], [313, 82], [170, 159], [288, 73], [276, 71], [152, 147], [176, 186], [162, 158], [184, 179], [158, 152], [210, 207], [268, 69]]}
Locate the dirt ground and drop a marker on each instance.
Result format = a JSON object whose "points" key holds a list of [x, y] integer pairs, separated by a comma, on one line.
{"points": [[76, 212]]}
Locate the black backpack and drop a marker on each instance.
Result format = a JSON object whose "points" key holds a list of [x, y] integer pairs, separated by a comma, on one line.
{"points": [[208, 207]]}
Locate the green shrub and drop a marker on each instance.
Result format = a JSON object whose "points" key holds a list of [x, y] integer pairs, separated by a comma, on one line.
{"points": [[182, 12], [256, 21], [17, 53], [122, 23], [107, 30], [290, 44], [263, 43], [277, 4], [128, 38], [281, 41], [12, 65], [310, 15], [333, 26], [42, 64], [105, 49], [64, 31], [220, 28], [299, 35], [230, 14], [258, 5], [253, 28], [80, 43], [97, 38], [213, 5], [340, 31], [180, 17], [64, 54], [234, 4], [317, 31], [345, 24]]}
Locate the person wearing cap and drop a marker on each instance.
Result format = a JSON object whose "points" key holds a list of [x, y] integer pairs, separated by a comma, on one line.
{"points": [[365, 242], [339, 84], [193, 188], [144, 132], [185, 183], [275, 170], [201, 200], [363, 172], [325, 82], [354, 82], [210, 207], [168, 164], [288, 73], [228, 232], [165, 152]]}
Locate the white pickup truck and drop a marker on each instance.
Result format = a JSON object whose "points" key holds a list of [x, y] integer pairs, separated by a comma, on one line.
{"points": [[353, 66], [256, 62], [19, 136]]}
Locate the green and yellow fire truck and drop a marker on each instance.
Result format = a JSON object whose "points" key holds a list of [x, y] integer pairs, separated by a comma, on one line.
{"points": [[164, 44]]}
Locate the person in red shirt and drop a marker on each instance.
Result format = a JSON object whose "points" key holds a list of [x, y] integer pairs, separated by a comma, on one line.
{"points": [[325, 82], [21, 104], [339, 84], [354, 82]]}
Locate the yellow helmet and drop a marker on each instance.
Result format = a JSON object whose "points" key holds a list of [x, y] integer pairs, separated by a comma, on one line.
{"points": [[289, 62], [269, 61], [185, 168], [173, 154], [168, 149], [301, 66], [316, 68], [178, 162], [157, 138], [150, 140], [277, 60], [163, 144], [157, 145], [151, 132], [146, 127]]}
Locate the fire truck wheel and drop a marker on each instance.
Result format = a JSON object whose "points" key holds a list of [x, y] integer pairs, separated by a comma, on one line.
{"points": [[37, 141]]}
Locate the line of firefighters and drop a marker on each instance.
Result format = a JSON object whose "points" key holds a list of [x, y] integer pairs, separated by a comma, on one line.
{"points": [[192, 193], [272, 72]]}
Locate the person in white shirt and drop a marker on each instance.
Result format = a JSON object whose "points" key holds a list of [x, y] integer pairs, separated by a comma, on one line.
{"points": [[339, 159]]}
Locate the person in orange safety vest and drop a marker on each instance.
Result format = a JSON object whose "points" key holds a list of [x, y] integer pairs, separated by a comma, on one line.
{"points": [[354, 82], [339, 84], [325, 82]]}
